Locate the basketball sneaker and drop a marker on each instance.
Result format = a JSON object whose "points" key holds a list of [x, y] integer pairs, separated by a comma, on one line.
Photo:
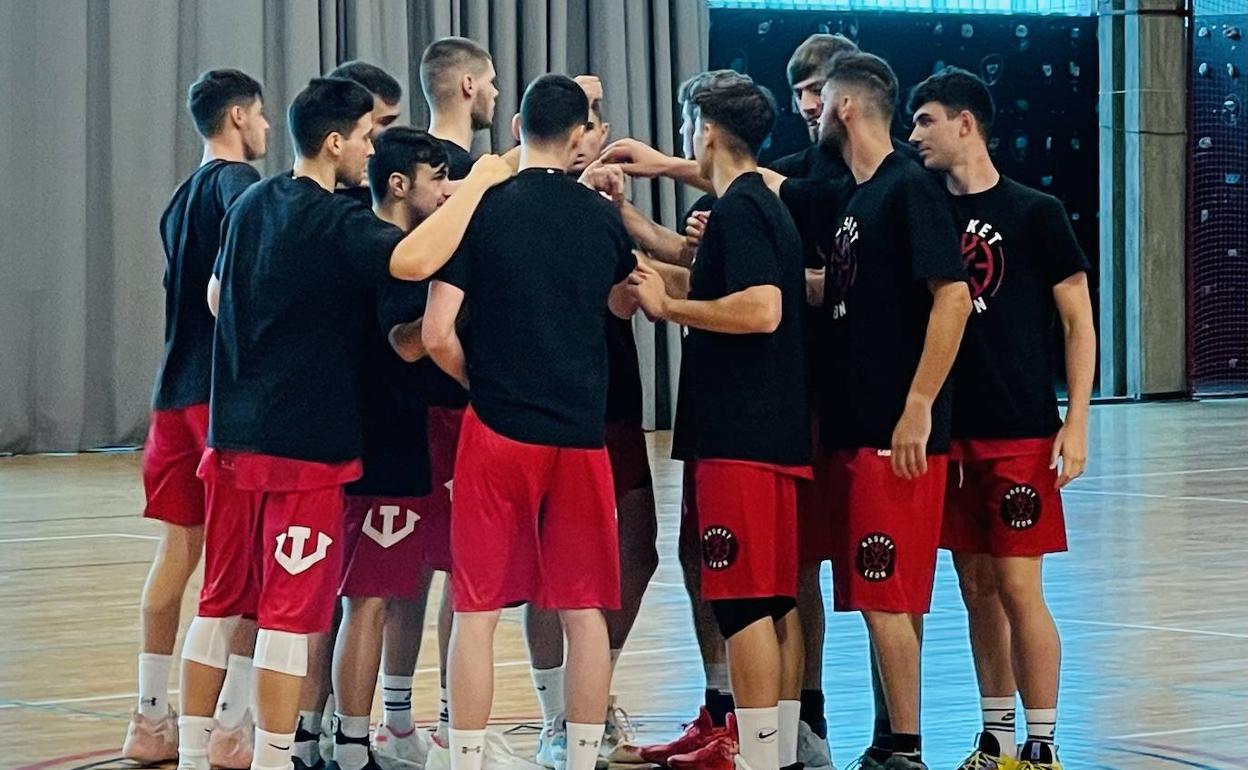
{"points": [[812, 751], [552, 746], [697, 734], [987, 756], [866, 762], [230, 748], [898, 762], [372, 764], [439, 756], [616, 738], [400, 752], [299, 764], [719, 754], [1037, 755], [151, 741], [325, 743]]}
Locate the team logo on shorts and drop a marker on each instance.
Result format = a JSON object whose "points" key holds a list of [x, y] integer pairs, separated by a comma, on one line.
{"points": [[388, 534], [877, 557], [719, 548], [1020, 507], [299, 560]]}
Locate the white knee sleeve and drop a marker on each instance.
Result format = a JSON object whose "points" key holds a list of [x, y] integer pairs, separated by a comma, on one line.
{"points": [[281, 651], [208, 641]]}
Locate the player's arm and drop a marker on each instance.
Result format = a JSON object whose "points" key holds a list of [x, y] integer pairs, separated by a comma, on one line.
{"points": [[753, 310], [951, 305], [438, 331], [1074, 308], [653, 238], [406, 339], [675, 277], [640, 160], [214, 295], [429, 246]]}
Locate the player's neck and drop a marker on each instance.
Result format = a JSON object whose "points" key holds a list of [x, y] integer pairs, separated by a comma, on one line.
{"points": [[972, 174], [228, 147], [395, 213], [865, 149], [724, 171], [319, 171], [536, 156], [453, 126]]}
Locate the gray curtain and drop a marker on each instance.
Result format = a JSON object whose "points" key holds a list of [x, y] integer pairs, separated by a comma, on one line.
{"points": [[98, 138]]}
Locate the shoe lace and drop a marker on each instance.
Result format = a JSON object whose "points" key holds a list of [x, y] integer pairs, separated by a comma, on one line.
{"points": [[978, 760], [1027, 764], [857, 763], [623, 722]]}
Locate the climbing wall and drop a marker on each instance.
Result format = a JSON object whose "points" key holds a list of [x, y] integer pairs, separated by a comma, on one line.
{"points": [[1218, 258]]}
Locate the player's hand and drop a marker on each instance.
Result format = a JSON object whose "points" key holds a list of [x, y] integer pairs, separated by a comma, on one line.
{"points": [[695, 228], [1071, 447], [814, 286], [647, 286], [909, 448], [610, 180], [636, 158], [491, 170], [512, 157]]}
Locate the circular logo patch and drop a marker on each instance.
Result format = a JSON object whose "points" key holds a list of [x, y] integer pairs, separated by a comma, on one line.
{"points": [[877, 557], [1020, 507], [719, 548], [985, 265]]}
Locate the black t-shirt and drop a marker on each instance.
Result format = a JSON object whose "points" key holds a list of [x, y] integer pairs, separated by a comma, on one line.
{"points": [[743, 396], [298, 267], [190, 230], [894, 234], [458, 160], [1017, 244], [537, 265]]}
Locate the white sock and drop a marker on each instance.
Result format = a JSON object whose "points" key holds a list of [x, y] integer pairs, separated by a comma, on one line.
{"points": [[549, 685], [236, 692], [790, 712], [615, 658], [759, 731], [193, 735], [396, 698], [467, 749], [717, 677], [444, 717], [351, 741], [272, 750], [999, 722], [1041, 724], [154, 684], [583, 743], [308, 750]]}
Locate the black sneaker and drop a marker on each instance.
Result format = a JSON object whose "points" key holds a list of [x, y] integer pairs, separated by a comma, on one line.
{"points": [[298, 764]]}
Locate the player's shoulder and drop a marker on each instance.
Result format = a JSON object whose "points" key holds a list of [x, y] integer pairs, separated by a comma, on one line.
{"points": [[238, 172]]}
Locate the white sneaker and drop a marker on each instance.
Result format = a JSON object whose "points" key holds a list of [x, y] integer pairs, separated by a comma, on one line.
{"points": [[552, 746], [812, 751], [500, 756], [232, 748], [740, 764], [400, 752], [326, 743], [438, 758], [617, 738]]}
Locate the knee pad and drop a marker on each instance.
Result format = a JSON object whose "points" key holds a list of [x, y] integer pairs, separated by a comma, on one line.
{"points": [[208, 641], [281, 651]]}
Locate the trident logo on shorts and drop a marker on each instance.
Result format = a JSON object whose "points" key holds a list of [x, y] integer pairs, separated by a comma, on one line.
{"points": [[299, 561], [387, 536]]}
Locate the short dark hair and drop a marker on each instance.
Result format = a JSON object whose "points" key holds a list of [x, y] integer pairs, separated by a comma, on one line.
{"points": [[213, 94], [867, 72], [400, 150], [444, 58], [553, 105], [704, 80], [325, 106], [374, 78], [743, 108], [813, 55], [957, 90]]}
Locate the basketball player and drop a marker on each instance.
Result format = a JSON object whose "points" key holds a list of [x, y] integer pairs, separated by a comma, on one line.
{"points": [[457, 78], [292, 280], [402, 630], [227, 108], [385, 578], [894, 282], [742, 423], [634, 502], [533, 437], [1003, 504]]}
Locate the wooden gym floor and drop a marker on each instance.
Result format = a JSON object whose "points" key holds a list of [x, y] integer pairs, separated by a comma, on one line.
{"points": [[1151, 602]]}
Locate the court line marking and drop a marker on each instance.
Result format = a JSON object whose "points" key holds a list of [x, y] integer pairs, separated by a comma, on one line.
{"points": [[1143, 627], [1155, 474], [127, 695], [1209, 729], [76, 537], [1155, 496]]}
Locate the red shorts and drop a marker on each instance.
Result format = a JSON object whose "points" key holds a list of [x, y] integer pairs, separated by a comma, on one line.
{"points": [[630, 462], [747, 517], [435, 508], [888, 538], [1001, 499], [383, 552], [532, 523], [175, 443], [272, 539], [815, 513]]}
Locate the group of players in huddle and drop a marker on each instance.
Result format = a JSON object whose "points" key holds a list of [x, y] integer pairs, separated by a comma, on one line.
{"points": [[393, 360]]}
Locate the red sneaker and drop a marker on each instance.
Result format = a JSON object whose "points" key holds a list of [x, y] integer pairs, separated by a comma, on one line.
{"points": [[719, 754], [698, 733]]}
